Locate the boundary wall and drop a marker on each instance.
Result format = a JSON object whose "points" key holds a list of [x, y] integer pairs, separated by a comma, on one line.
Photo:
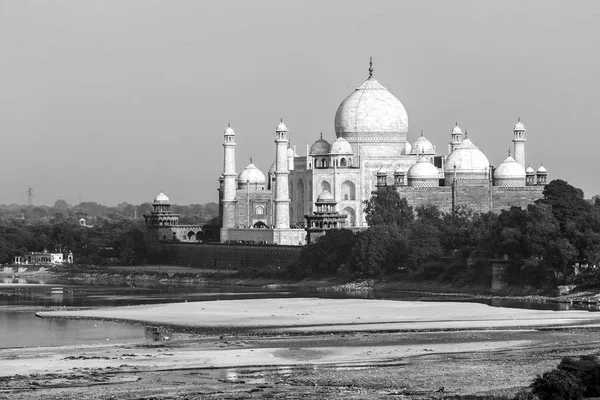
{"points": [[232, 256]]}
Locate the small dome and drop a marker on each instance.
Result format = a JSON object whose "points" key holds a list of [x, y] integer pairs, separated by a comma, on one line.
{"points": [[325, 196], [251, 174], [229, 131], [320, 147], [457, 130], [468, 158], [407, 148], [423, 146], [423, 169], [542, 170], [529, 171], [382, 171], [161, 199], [509, 169], [281, 127], [399, 171], [340, 146], [519, 126]]}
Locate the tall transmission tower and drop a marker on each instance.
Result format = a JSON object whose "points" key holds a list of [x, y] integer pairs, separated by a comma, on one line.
{"points": [[30, 196]]}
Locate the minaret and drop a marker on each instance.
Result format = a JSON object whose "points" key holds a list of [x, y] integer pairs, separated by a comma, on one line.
{"points": [[456, 137], [519, 141], [282, 198], [229, 175]]}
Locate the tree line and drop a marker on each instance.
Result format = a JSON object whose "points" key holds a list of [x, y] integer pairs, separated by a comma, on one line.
{"points": [[543, 241], [111, 235], [192, 214]]}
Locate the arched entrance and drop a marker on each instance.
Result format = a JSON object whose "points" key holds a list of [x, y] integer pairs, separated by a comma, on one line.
{"points": [[351, 219]]}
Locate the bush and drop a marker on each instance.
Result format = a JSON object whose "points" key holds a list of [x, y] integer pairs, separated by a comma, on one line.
{"points": [[525, 394], [557, 385], [586, 370], [429, 271]]}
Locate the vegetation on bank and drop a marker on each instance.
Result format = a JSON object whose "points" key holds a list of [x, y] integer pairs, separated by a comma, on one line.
{"points": [[92, 212], [572, 379], [543, 242], [402, 244]]}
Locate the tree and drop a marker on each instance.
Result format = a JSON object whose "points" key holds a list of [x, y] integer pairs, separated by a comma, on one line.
{"points": [[387, 208], [378, 250], [423, 244], [327, 254], [62, 205], [567, 201]]}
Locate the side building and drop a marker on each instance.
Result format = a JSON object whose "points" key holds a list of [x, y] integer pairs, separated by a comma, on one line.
{"points": [[165, 223]]}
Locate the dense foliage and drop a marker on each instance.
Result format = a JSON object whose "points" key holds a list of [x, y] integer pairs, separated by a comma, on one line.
{"points": [[110, 234], [543, 241], [572, 379], [90, 211]]}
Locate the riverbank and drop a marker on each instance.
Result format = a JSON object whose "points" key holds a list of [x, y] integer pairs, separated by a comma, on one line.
{"points": [[307, 348], [496, 364], [176, 275]]}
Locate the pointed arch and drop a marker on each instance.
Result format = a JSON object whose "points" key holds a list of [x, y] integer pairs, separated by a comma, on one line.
{"points": [[348, 190], [351, 219], [325, 185]]}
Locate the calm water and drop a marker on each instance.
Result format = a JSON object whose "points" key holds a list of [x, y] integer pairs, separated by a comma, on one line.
{"points": [[19, 327]]}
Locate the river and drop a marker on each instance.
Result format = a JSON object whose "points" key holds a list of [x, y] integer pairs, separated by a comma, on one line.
{"points": [[20, 298]]}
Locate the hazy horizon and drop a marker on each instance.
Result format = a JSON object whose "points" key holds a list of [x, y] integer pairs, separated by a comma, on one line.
{"points": [[115, 101]]}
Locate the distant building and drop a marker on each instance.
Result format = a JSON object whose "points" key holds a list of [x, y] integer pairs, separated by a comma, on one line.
{"points": [[166, 223], [43, 258]]}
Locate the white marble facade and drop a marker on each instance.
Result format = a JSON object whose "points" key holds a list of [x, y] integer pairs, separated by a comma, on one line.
{"points": [[371, 129]]}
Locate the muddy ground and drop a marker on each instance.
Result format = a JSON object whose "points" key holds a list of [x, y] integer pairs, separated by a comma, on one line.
{"points": [[295, 366]]}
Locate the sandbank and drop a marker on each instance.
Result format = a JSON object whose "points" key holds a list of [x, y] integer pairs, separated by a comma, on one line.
{"points": [[332, 315]]}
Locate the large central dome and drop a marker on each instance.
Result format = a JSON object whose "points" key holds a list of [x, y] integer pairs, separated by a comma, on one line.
{"points": [[371, 114]]}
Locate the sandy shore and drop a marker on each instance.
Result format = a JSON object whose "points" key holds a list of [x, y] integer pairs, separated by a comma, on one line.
{"points": [[332, 315], [306, 348]]}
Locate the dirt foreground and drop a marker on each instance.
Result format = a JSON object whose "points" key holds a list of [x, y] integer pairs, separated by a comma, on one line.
{"points": [[306, 348]]}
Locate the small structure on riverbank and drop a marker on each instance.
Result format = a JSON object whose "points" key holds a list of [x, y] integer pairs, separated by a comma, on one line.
{"points": [[324, 218], [165, 223], [43, 258]]}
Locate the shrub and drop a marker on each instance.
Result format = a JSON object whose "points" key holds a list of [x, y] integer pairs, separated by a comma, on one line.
{"points": [[557, 385], [586, 370]]}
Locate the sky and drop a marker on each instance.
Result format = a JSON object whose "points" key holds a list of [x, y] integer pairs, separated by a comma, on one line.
{"points": [[116, 100]]}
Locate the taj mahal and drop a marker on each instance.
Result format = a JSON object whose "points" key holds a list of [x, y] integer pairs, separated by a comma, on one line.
{"points": [[326, 186]]}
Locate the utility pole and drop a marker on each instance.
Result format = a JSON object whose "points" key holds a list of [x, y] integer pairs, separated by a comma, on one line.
{"points": [[30, 196]]}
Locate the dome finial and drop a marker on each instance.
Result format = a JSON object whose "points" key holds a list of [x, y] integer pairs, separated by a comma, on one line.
{"points": [[518, 119], [321, 134], [250, 159], [509, 151], [466, 134], [421, 132], [456, 123], [370, 67]]}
